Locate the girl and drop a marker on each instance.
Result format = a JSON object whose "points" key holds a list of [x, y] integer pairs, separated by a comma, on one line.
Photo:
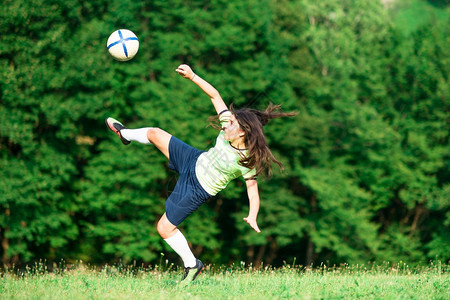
{"points": [[241, 150]]}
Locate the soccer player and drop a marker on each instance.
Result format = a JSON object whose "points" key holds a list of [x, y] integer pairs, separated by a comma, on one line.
{"points": [[240, 150]]}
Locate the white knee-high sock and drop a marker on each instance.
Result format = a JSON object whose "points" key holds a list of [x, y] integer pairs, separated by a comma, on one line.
{"points": [[180, 245], [137, 135]]}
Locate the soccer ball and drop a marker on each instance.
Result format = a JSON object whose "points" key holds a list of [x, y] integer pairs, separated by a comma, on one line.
{"points": [[123, 44]]}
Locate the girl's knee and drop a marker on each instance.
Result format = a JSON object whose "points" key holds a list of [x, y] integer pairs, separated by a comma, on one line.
{"points": [[152, 133], [162, 230], [165, 228]]}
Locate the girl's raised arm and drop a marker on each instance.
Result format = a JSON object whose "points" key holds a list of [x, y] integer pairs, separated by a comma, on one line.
{"points": [[213, 94]]}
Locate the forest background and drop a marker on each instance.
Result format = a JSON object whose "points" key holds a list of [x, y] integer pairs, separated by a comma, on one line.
{"points": [[367, 169]]}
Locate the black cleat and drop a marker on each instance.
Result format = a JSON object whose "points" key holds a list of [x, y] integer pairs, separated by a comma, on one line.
{"points": [[115, 126], [191, 273]]}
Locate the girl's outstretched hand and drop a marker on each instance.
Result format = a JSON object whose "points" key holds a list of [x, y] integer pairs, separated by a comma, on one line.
{"points": [[252, 223], [185, 71]]}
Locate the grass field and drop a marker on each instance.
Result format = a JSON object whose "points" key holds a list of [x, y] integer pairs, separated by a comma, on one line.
{"points": [[344, 282]]}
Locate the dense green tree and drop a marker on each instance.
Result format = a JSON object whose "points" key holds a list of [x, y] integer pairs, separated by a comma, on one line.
{"points": [[38, 140], [345, 78], [420, 105]]}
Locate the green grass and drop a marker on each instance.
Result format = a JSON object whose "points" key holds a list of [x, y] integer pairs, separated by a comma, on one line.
{"points": [[344, 282]]}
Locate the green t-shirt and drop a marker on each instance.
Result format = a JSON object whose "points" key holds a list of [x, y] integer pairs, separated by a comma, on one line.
{"points": [[217, 167]]}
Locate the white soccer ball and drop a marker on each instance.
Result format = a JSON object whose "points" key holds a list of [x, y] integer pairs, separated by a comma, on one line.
{"points": [[123, 44]]}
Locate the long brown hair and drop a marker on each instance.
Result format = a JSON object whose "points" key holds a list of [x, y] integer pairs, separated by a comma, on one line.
{"points": [[252, 121]]}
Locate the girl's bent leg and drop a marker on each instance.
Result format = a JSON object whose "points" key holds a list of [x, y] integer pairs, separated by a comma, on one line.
{"points": [[160, 139], [176, 241], [136, 135], [165, 228], [148, 135]]}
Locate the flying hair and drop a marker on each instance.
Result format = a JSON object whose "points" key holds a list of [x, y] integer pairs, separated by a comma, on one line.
{"points": [[268, 114], [252, 121]]}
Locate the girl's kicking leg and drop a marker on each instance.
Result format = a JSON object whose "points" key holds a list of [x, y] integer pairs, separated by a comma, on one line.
{"points": [[146, 135]]}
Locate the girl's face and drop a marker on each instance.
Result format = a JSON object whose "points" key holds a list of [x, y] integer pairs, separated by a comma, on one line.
{"points": [[233, 131]]}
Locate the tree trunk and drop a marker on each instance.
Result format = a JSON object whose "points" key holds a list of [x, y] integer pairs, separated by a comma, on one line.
{"points": [[250, 253], [5, 241], [309, 253], [259, 257], [310, 246], [198, 250], [419, 211], [273, 251], [5, 245]]}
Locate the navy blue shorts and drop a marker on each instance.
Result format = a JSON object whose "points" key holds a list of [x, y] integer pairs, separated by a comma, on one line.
{"points": [[188, 194]]}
